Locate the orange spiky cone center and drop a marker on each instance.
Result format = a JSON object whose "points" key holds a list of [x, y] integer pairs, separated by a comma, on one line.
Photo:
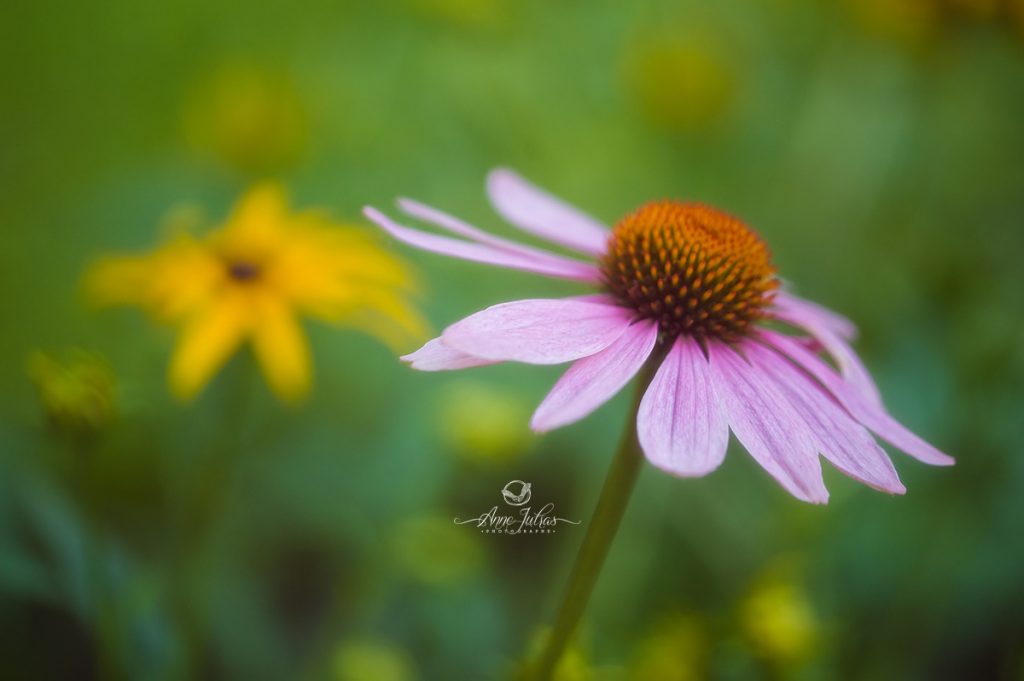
{"points": [[694, 269]]}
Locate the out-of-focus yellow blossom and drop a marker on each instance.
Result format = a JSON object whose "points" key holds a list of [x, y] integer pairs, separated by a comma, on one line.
{"points": [[679, 79], [251, 279], [483, 424], [434, 550], [778, 619], [673, 651], [371, 660], [249, 117], [79, 393]]}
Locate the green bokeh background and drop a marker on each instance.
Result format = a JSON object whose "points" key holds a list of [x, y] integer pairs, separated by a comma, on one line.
{"points": [[879, 148]]}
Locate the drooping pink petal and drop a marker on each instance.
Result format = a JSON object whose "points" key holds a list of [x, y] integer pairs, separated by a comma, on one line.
{"points": [[766, 424], [436, 356], [872, 416], [534, 210], [681, 426], [551, 266], [540, 331], [826, 317], [457, 226], [802, 315], [593, 380], [840, 439]]}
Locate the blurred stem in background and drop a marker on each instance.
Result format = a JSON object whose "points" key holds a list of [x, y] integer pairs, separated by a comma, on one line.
{"points": [[109, 662], [604, 523], [212, 496], [100, 544]]}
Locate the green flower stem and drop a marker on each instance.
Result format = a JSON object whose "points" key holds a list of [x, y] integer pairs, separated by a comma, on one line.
{"points": [[618, 487], [211, 492]]}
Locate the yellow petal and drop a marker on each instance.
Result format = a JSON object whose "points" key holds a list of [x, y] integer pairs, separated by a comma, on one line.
{"points": [[253, 230], [281, 348], [120, 280], [342, 276], [347, 251], [171, 282], [207, 340]]}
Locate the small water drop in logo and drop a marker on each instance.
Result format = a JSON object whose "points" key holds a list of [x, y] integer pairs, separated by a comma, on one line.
{"points": [[520, 518]]}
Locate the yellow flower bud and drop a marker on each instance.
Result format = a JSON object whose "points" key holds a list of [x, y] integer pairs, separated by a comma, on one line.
{"points": [[78, 392]]}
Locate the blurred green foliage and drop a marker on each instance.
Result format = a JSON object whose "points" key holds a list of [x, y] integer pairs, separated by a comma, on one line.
{"points": [[877, 145]]}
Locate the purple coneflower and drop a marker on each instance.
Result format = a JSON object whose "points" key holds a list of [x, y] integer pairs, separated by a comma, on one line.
{"points": [[688, 299], [694, 288]]}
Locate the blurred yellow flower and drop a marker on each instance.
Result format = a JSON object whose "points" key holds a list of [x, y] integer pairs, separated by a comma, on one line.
{"points": [[250, 280]]}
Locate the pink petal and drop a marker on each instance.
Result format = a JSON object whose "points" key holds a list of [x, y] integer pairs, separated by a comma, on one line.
{"points": [[434, 243], [839, 438], [535, 211], [681, 427], [803, 315], [544, 331], [766, 424], [826, 317], [594, 380], [436, 356], [453, 224], [872, 416]]}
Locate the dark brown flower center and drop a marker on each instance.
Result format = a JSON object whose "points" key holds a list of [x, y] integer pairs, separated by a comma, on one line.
{"points": [[243, 271], [694, 269]]}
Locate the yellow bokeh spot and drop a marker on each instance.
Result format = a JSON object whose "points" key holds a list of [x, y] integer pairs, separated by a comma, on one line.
{"points": [[371, 660], [434, 550], [673, 651], [680, 81], [249, 117], [574, 664], [484, 424], [778, 619]]}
